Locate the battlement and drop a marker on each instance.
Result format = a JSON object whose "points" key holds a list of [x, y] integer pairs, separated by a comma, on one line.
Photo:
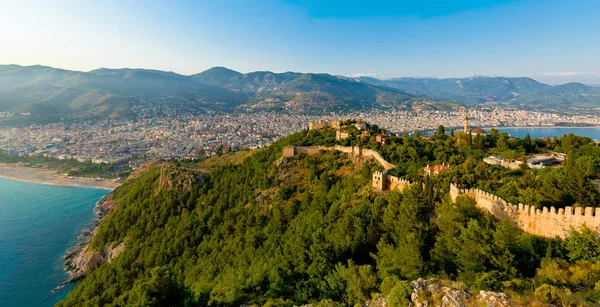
{"points": [[545, 222], [354, 151], [323, 124], [382, 181]]}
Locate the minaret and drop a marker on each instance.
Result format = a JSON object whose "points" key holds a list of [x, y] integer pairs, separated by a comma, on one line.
{"points": [[467, 123]]}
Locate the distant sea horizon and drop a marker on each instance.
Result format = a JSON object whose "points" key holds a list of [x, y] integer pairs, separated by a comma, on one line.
{"points": [[38, 223], [542, 132], [534, 132]]}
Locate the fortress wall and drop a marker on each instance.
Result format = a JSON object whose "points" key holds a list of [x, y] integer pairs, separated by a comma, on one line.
{"points": [[289, 151], [308, 150], [374, 154], [354, 151], [395, 183], [545, 222]]}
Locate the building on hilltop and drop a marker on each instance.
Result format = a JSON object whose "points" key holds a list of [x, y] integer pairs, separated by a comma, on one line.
{"points": [[360, 125], [499, 160], [541, 162], [478, 131], [289, 151], [382, 139], [379, 180], [436, 169], [473, 131], [341, 135], [323, 124]]}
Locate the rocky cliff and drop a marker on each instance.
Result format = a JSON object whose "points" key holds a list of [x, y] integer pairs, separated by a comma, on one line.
{"points": [[81, 260]]}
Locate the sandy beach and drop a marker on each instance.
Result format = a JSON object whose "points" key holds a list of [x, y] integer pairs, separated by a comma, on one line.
{"points": [[49, 176]]}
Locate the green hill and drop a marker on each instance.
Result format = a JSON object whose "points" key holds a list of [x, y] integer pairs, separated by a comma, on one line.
{"points": [[472, 90], [292, 91], [566, 95], [50, 94], [273, 231], [523, 92]]}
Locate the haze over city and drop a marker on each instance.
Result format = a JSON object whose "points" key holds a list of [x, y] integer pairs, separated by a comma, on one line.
{"points": [[554, 42]]}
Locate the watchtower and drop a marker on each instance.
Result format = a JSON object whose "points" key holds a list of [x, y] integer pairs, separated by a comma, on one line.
{"points": [[379, 180]]}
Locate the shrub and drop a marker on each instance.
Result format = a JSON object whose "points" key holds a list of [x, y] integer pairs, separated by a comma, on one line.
{"points": [[388, 284], [547, 293], [399, 295]]}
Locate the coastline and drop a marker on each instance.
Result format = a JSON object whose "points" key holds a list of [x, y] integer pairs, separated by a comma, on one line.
{"points": [[18, 172]]}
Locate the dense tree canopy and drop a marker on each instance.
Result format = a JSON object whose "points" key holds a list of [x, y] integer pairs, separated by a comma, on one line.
{"points": [[310, 228]]}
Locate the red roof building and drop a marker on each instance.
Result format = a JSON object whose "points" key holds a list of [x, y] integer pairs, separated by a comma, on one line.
{"points": [[436, 169]]}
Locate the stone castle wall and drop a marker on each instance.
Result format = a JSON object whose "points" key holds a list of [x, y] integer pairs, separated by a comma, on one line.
{"points": [[382, 182], [323, 124], [545, 222], [355, 151]]}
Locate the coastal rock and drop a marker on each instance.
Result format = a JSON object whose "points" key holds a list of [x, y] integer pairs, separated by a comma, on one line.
{"points": [[80, 260], [85, 262]]}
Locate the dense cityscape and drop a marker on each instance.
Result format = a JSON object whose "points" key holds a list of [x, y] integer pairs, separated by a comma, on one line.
{"points": [[211, 133]]}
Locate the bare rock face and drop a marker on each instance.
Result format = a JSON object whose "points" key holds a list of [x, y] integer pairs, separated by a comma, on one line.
{"points": [[377, 301], [494, 299], [87, 261], [434, 293], [172, 179], [80, 261], [429, 293]]}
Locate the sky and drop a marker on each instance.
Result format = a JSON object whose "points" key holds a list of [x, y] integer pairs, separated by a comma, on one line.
{"points": [[551, 41]]}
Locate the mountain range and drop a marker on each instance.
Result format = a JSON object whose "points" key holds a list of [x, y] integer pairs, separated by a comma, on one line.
{"points": [[48, 94], [520, 91]]}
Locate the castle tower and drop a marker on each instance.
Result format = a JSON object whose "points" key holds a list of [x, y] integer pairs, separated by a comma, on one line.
{"points": [[466, 123], [379, 180]]}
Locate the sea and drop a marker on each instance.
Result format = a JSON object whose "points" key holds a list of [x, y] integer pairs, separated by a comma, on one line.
{"points": [[38, 223], [591, 132]]}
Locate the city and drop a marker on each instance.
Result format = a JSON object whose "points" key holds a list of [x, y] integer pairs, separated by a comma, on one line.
{"points": [[211, 133]]}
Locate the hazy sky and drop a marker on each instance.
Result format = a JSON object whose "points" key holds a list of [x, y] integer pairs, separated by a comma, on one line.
{"points": [[551, 41]]}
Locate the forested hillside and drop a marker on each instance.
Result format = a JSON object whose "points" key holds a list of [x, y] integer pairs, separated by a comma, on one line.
{"points": [[308, 229]]}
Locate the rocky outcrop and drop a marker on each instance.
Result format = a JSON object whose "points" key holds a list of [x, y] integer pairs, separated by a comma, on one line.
{"points": [[429, 292], [433, 293], [86, 261], [79, 259], [494, 299], [172, 179]]}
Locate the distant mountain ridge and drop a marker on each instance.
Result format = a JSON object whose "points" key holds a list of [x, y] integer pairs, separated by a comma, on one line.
{"points": [[50, 94], [303, 90], [521, 91]]}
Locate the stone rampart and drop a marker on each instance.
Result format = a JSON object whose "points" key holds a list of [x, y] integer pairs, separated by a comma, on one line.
{"points": [[375, 155], [382, 182], [545, 222], [395, 183], [354, 151]]}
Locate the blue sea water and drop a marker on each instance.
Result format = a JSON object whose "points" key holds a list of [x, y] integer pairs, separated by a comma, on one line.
{"points": [[593, 133], [38, 223]]}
